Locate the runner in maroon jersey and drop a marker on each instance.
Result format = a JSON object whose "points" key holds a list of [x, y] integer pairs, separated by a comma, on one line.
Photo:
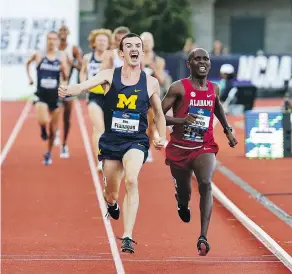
{"points": [[192, 147]]}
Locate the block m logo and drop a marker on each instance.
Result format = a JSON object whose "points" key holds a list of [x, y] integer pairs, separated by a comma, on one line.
{"points": [[130, 102]]}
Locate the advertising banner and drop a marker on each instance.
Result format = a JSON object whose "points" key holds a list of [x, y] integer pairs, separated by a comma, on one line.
{"points": [[24, 25]]}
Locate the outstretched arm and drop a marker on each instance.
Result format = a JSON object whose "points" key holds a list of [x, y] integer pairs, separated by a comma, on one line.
{"points": [[100, 78], [159, 118]]}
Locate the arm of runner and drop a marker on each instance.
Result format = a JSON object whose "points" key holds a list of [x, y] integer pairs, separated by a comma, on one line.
{"points": [[100, 78], [159, 118], [174, 93], [28, 62], [64, 67], [107, 61], [77, 53], [220, 114], [83, 71]]}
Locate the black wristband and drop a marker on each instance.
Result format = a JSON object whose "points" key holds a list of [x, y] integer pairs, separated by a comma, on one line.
{"points": [[227, 129]]}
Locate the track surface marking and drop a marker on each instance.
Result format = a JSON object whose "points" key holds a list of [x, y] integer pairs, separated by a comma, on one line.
{"points": [[51, 222]]}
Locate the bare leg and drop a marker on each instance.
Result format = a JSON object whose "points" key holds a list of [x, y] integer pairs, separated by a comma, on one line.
{"points": [[67, 105], [96, 116], [113, 173], [132, 162], [183, 188], [43, 117], [204, 166], [53, 127]]}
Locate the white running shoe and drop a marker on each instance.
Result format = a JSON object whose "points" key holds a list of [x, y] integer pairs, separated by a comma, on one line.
{"points": [[57, 140], [64, 152], [150, 157]]}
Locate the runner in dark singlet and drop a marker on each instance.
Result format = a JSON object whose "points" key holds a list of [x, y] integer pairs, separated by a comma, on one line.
{"points": [[99, 41], [124, 144], [192, 147], [50, 65]]}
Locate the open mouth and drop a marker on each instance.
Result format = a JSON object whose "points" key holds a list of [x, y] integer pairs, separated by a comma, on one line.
{"points": [[134, 56], [202, 69]]}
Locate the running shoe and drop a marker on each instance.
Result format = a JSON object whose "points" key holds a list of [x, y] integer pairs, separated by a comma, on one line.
{"points": [[184, 213], [113, 211], [64, 152], [47, 159]]}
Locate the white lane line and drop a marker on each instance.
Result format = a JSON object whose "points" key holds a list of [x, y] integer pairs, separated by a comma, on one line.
{"points": [[15, 131], [98, 189], [259, 233], [152, 260], [251, 226]]}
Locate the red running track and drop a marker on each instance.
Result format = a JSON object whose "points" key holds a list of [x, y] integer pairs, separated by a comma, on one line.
{"points": [[51, 221]]}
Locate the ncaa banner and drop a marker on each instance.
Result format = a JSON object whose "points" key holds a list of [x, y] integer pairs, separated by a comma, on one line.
{"points": [[263, 71], [24, 26], [266, 72]]}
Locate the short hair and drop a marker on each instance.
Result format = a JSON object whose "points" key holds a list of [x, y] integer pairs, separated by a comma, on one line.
{"points": [[63, 26], [53, 32], [120, 30], [129, 35], [96, 32]]}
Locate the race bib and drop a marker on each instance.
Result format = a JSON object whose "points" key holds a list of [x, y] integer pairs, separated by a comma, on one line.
{"points": [[125, 122], [195, 132], [203, 117], [49, 83]]}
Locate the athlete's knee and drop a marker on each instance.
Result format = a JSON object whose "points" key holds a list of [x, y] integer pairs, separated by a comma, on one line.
{"points": [[205, 186], [114, 196], [131, 182], [53, 128], [43, 121], [110, 197]]}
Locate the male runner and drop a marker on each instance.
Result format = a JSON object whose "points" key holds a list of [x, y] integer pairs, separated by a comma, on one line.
{"points": [[74, 60], [153, 65], [192, 147], [99, 41], [111, 58], [124, 144], [50, 64]]}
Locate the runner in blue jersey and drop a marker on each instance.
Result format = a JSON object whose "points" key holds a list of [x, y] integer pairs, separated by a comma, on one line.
{"points": [[124, 145], [50, 65]]}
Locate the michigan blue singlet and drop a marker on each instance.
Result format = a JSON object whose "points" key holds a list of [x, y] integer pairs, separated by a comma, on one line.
{"points": [[125, 116]]}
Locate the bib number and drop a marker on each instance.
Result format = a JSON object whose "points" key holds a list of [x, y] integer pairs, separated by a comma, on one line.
{"points": [[196, 131], [125, 122], [49, 83]]}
